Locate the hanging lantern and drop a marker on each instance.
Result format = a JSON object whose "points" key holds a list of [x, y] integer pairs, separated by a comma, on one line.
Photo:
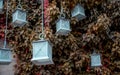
{"points": [[42, 52], [78, 12], [63, 26], [19, 17], [95, 60], [1, 5], [5, 56]]}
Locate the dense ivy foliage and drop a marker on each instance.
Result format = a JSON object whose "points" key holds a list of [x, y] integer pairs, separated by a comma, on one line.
{"points": [[100, 31]]}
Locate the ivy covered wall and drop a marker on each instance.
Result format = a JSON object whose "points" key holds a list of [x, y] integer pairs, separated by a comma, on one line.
{"points": [[100, 30]]}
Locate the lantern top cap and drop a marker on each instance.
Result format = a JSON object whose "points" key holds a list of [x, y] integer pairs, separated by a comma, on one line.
{"points": [[19, 9], [43, 40], [7, 49], [78, 5], [62, 18], [94, 53]]}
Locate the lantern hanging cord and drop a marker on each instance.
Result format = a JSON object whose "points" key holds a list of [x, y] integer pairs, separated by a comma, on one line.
{"points": [[42, 18], [19, 4], [62, 11], [94, 50], [6, 25], [61, 8]]}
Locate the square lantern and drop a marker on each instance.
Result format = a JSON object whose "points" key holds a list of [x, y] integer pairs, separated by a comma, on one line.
{"points": [[95, 60], [42, 52], [63, 26], [19, 17], [78, 12], [1, 5], [5, 56]]}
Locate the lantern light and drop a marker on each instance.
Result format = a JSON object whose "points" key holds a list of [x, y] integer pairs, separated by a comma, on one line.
{"points": [[1, 6], [42, 49], [5, 54], [95, 60], [19, 16], [42, 52], [63, 26], [78, 12]]}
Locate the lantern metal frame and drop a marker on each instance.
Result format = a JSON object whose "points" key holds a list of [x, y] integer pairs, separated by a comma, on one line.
{"points": [[63, 29], [5, 59], [78, 12], [47, 59], [4, 49], [1, 6], [16, 19], [95, 56], [15, 22]]}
